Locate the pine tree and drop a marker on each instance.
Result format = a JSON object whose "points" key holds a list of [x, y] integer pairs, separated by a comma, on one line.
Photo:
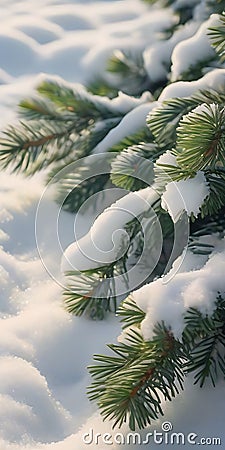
{"points": [[179, 153]]}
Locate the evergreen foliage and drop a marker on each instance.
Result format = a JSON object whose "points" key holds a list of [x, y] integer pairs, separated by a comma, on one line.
{"points": [[130, 169], [124, 386], [201, 138], [204, 338], [60, 125], [130, 385], [217, 37], [90, 292]]}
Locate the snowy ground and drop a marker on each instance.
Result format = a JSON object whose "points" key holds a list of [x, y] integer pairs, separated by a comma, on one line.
{"points": [[45, 351]]}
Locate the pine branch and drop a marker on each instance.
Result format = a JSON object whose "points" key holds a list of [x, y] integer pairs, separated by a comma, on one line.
{"points": [[130, 74], [209, 96], [130, 313], [197, 70], [58, 101], [142, 136], [204, 336], [125, 72], [62, 124], [85, 289], [164, 119], [101, 86], [39, 143], [126, 64], [216, 198], [215, 6], [214, 202], [129, 385], [133, 167], [90, 292], [73, 192], [201, 138], [74, 187], [36, 144], [141, 373], [209, 225], [38, 108], [217, 37], [93, 291], [199, 248], [79, 102], [165, 173]]}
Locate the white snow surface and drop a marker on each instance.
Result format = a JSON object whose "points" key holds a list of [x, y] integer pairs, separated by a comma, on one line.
{"points": [[185, 195], [212, 80], [157, 56], [193, 50], [188, 285], [43, 350], [91, 250], [131, 123]]}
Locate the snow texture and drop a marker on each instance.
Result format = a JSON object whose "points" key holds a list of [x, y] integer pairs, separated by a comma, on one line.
{"points": [[185, 195], [189, 286], [157, 57], [92, 251], [167, 158], [131, 123], [44, 351], [212, 80], [193, 50]]}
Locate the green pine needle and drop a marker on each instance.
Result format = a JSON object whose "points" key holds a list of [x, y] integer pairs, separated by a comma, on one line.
{"points": [[133, 169], [201, 139], [90, 292], [130, 313], [128, 387], [217, 37], [204, 338]]}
